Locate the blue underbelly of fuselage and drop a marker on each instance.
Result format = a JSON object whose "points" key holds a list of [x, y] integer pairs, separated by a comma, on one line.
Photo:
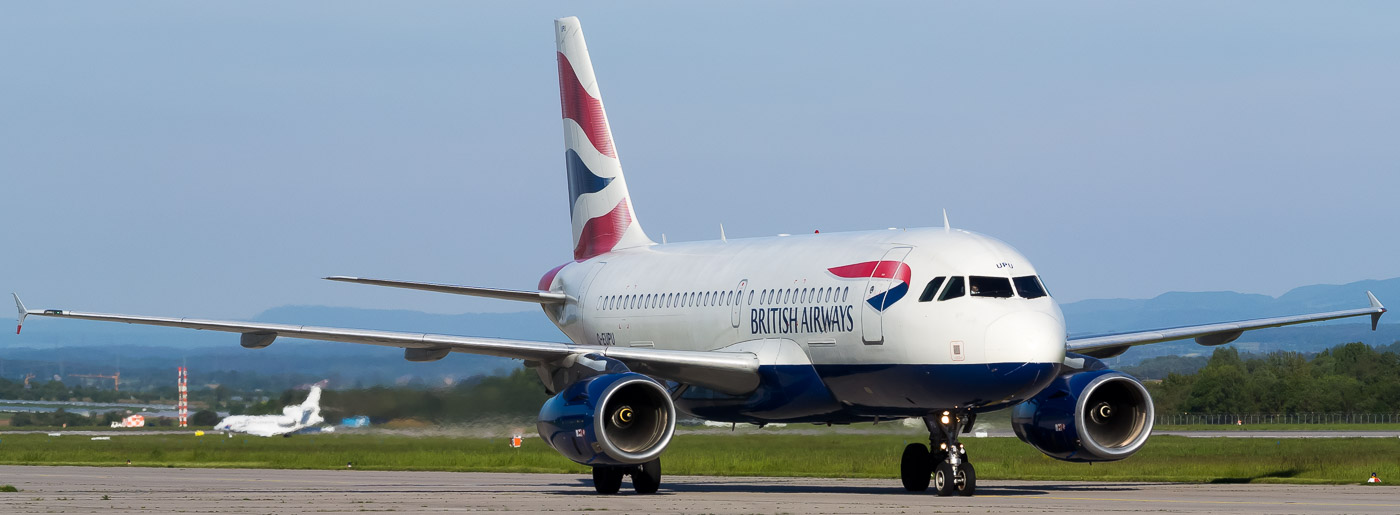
{"points": [[860, 393]]}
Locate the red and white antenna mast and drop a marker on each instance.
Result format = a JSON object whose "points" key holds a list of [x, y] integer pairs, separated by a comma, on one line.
{"points": [[182, 383]]}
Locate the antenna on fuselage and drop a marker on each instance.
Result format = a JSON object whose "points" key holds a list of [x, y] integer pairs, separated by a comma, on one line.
{"points": [[946, 226], [663, 238], [721, 233]]}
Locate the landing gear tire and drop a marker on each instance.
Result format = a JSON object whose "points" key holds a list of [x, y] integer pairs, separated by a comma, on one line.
{"points": [[607, 480], [965, 479], [943, 479], [915, 467], [646, 478]]}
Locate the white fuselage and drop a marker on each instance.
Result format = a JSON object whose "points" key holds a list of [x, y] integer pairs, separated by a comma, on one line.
{"points": [[785, 299]]}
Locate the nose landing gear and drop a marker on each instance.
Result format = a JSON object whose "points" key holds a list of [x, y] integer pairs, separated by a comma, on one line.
{"points": [[947, 462]]}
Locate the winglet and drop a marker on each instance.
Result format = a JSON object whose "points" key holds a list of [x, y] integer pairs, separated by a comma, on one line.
{"points": [[947, 227], [1375, 317], [24, 312]]}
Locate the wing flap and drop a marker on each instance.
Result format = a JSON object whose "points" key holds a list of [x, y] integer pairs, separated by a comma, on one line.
{"points": [[1213, 334]]}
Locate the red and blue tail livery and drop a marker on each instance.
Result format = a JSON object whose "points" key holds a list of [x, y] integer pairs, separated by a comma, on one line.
{"points": [[599, 205]]}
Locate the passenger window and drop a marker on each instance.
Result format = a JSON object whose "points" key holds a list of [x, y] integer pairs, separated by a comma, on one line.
{"points": [[787, 295], [751, 292], [706, 301], [1028, 286], [828, 295], [954, 289], [997, 287], [845, 292], [931, 289]]}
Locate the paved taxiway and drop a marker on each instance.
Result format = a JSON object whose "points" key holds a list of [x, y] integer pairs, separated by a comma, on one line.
{"points": [[136, 489]]}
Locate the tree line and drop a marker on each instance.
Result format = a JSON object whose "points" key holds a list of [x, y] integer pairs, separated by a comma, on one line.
{"points": [[515, 396], [1349, 378]]}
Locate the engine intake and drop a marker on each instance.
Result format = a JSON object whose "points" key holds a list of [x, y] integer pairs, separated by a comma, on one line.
{"points": [[1093, 415], [611, 419]]}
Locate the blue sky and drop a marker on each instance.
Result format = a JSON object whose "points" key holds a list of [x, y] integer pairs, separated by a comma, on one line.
{"points": [[217, 159]]}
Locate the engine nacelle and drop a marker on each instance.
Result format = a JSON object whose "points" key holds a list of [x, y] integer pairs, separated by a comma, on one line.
{"points": [[610, 419], [1093, 415]]}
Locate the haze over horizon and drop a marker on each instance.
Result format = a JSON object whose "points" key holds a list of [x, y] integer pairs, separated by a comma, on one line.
{"points": [[217, 160]]}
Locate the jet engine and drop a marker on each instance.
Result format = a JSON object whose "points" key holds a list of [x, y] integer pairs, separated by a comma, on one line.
{"points": [[1085, 416], [610, 419]]}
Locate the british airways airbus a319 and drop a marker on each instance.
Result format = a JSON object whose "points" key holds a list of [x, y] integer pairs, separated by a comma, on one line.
{"points": [[936, 323]]}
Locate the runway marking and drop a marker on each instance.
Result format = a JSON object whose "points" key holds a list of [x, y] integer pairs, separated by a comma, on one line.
{"points": [[1266, 503]]}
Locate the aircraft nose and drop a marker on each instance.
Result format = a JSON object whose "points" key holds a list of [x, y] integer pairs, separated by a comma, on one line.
{"points": [[1025, 337]]}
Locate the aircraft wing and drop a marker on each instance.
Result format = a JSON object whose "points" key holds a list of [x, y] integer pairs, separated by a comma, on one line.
{"points": [[1107, 346], [729, 372]]}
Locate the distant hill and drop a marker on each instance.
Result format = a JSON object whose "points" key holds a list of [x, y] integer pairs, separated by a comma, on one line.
{"points": [[50, 346], [1187, 308], [1174, 309]]}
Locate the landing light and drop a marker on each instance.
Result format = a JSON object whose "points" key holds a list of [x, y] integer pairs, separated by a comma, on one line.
{"points": [[944, 420]]}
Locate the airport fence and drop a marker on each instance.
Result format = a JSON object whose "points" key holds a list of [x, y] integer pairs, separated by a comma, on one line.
{"points": [[1192, 419]]}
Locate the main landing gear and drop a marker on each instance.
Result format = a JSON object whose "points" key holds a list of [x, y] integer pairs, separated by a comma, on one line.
{"points": [[947, 465], [646, 477]]}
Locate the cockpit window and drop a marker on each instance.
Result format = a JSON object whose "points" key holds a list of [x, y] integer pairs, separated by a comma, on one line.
{"points": [[931, 289], [982, 286], [1028, 286], [954, 289]]}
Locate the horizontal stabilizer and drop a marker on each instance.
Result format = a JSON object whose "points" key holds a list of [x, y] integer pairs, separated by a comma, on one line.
{"points": [[538, 297]]}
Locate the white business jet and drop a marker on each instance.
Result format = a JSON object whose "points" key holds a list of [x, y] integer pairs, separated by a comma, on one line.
{"points": [[295, 419]]}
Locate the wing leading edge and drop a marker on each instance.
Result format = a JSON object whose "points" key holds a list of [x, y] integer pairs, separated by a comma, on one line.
{"points": [[1107, 346], [728, 372]]}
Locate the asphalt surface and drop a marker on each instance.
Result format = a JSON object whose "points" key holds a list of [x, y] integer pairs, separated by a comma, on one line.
{"points": [[122, 489]]}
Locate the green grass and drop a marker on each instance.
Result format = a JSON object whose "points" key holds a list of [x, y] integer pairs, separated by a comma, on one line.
{"points": [[1277, 427], [1165, 458]]}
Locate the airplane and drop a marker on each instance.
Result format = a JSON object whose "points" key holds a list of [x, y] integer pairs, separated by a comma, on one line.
{"points": [[295, 419], [938, 324]]}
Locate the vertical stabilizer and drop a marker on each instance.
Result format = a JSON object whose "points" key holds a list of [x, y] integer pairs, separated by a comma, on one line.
{"points": [[599, 204], [311, 407]]}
